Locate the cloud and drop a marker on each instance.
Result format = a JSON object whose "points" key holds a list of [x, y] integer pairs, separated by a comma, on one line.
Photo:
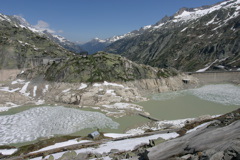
{"points": [[42, 25]]}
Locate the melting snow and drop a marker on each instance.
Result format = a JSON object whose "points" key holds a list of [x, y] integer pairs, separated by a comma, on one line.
{"points": [[123, 145], [82, 86], [183, 29], [47, 121], [210, 22], [66, 90], [34, 91], [124, 106], [62, 144], [6, 89], [110, 91], [9, 106], [116, 135], [206, 68], [7, 151], [45, 89], [199, 126], [107, 84], [24, 89], [18, 81]]}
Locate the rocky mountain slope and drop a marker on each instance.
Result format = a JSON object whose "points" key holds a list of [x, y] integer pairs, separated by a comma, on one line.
{"points": [[97, 44], [190, 40], [98, 67], [217, 139], [22, 47], [21, 42], [71, 46]]}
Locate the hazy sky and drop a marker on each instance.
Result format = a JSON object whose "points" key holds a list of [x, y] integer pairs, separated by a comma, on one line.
{"points": [[82, 20]]}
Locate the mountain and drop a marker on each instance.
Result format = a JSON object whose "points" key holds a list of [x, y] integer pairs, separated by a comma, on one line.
{"points": [[193, 39], [23, 46], [97, 67], [97, 44], [71, 46]]}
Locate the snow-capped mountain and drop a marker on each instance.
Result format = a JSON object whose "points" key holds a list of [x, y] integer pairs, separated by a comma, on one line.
{"points": [[23, 46], [97, 44], [21, 22], [190, 40]]}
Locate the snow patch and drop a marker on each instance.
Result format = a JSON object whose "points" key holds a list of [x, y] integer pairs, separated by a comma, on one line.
{"points": [[18, 81], [184, 29], [107, 84], [40, 102], [62, 144], [110, 91], [147, 27], [8, 106], [211, 21], [116, 135], [34, 91], [199, 126], [124, 106], [45, 89], [122, 145], [66, 90], [6, 89], [82, 86], [24, 89], [8, 151], [206, 68]]}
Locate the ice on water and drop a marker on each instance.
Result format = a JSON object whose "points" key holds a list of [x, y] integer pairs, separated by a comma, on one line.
{"points": [[46, 121], [226, 94]]}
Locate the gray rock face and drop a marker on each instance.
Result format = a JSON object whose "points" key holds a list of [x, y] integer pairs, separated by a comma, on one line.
{"points": [[188, 43], [213, 142]]}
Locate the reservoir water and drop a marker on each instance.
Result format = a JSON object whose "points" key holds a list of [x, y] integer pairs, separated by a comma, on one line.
{"points": [[22, 124], [207, 100]]}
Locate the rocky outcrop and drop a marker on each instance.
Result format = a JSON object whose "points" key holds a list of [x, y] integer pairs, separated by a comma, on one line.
{"points": [[98, 67], [150, 86], [217, 140]]}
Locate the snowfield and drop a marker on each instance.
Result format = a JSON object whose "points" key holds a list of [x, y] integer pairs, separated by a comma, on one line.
{"points": [[122, 145]]}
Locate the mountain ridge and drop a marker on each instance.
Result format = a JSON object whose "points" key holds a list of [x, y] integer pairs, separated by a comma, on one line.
{"points": [[190, 40], [71, 46]]}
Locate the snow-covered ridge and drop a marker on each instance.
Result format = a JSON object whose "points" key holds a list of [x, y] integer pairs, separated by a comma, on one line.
{"points": [[192, 14], [19, 21], [183, 15]]}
